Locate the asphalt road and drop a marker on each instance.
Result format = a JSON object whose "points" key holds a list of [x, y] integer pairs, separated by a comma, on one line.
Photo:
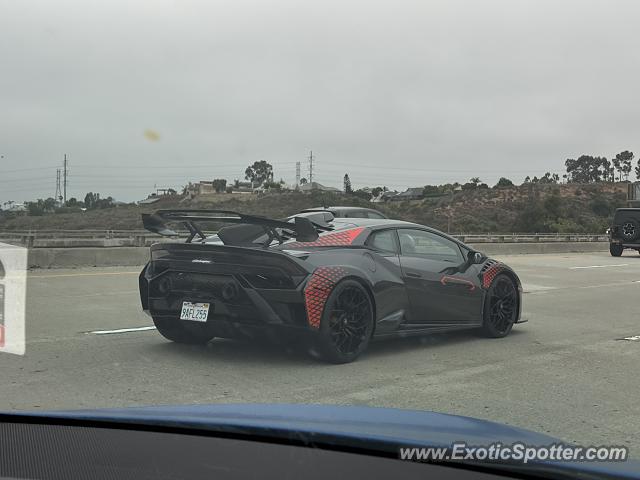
{"points": [[566, 372]]}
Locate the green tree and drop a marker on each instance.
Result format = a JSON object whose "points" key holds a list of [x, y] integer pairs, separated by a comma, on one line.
{"points": [[271, 185], [600, 206], [104, 202], [219, 185], [503, 183], [40, 206], [549, 178], [259, 172], [376, 191], [35, 209], [430, 190], [553, 205], [623, 162], [587, 169], [347, 184], [91, 200], [363, 193]]}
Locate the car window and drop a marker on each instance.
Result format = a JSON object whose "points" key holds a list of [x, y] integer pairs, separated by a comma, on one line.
{"points": [[374, 215], [384, 240], [430, 245]]}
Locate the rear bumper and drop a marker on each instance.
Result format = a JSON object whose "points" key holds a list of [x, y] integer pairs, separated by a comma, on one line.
{"points": [[234, 301], [615, 241]]}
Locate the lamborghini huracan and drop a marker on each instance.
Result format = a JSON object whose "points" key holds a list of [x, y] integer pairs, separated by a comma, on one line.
{"points": [[338, 282]]}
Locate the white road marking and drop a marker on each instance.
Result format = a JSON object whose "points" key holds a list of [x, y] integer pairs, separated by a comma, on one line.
{"points": [[530, 287], [600, 266], [121, 330], [577, 287], [55, 275], [635, 338], [101, 294]]}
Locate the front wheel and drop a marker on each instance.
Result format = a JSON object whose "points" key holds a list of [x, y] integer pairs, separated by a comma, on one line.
{"points": [[615, 250], [180, 331], [501, 307], [347, 323]]}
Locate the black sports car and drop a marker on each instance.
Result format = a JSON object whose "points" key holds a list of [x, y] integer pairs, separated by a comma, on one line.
{"points": [[341, 283]]}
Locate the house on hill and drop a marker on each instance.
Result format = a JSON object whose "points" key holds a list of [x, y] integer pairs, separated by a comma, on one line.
{"points": [[414, 193], [384, 197], [308, 187]]}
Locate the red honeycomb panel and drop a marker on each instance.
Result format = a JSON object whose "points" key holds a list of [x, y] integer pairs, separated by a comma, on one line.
{"points": [[490, 274], [332, 239], [318, 290]]}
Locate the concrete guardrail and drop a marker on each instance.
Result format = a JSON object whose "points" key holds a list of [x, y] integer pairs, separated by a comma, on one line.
{"points": [[142, 238], [138, 256]]}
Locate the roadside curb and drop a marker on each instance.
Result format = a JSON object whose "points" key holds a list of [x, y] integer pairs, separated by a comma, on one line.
{"points": [[87, 257]]}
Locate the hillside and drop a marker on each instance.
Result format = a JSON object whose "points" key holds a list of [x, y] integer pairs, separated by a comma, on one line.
{"points": [[527, 208]]}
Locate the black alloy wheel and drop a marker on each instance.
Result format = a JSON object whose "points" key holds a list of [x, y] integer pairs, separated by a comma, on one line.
{"points": [[347, 323], [501, 307]]}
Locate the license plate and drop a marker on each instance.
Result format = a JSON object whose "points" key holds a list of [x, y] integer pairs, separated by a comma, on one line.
{"points": [[196, 312]]}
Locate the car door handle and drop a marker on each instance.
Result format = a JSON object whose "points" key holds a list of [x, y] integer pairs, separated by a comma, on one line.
{"points": [[414, 275], [447, 280]]}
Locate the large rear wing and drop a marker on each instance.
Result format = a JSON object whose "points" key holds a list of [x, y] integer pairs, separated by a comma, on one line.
{"points": [[302, 229]]}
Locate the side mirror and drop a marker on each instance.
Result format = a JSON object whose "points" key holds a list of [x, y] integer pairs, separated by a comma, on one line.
{"points": [[476, 257]]}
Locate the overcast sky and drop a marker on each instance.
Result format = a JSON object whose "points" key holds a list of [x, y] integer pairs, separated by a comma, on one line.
{"points": [[395, 93]]}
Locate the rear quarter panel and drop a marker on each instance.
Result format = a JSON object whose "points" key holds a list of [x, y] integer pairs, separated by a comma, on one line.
{"points": [[381, 277]]}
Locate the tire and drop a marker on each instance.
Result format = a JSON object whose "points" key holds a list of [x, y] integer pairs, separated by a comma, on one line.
{"points": [[500, 307], [630, 229], [192, 333], [347, 323], [615, 250]]}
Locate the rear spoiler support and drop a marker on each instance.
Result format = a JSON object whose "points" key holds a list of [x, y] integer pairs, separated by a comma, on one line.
{"points": [[303, 229]]}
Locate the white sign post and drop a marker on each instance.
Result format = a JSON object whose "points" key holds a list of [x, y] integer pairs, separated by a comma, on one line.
{"points": [[13, 292]]}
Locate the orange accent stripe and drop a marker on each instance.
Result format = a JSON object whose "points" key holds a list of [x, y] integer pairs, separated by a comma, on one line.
{"points": [[448, 279]]}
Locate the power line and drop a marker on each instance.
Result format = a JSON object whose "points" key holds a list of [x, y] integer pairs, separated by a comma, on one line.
{"points": [[26, 170], [26, 179], [442, 170], [179, 166]]}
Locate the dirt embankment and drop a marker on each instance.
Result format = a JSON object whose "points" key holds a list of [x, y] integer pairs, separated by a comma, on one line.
{"points": [[526, 208]]}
